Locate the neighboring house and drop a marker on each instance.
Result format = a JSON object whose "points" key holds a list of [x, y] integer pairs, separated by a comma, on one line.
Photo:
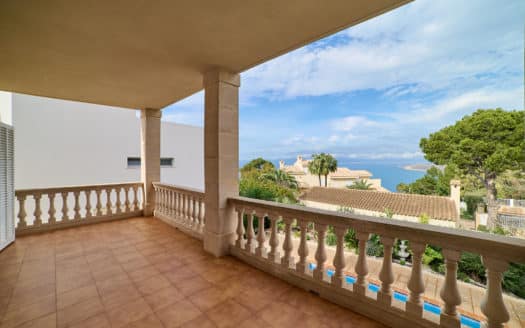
{"points": [[64, 143], [341, 178], [442, 211]]}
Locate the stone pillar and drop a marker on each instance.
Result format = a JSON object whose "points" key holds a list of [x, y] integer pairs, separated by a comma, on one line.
{"points": [[221, 158], [149, 155]]}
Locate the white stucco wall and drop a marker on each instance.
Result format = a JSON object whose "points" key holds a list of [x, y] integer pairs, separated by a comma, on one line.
{"points": [[6, 108], [61, 143], [331, 207]]}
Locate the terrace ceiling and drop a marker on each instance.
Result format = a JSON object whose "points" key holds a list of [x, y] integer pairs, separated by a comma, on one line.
{"points": [[139, 53]]}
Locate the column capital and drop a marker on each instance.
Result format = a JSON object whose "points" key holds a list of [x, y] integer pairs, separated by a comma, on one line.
{"points": [[151, 112], [221, 75]]}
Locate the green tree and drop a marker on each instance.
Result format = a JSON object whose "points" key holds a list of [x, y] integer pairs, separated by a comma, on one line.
{"points": [[257, 164], [255, 183], [484, 145], [329, 167], [316, 166], [281, 178], [434, 182], [360, 185]]}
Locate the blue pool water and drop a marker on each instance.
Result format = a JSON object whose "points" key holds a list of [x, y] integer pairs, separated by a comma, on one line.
{"points": [[429, 307]]}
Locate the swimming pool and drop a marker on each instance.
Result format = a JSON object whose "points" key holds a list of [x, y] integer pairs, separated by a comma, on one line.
{"points": [[429, 307]]}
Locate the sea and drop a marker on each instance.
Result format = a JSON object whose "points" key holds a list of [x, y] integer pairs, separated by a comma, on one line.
{"points": [[390, 173]]}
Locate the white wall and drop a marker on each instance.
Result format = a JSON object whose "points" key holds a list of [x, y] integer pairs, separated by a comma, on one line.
{"points": [[61, 143], [5, 108]]}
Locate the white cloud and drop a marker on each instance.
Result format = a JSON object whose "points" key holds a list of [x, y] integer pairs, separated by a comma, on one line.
{"points": [[426, 44], [350, 123]]}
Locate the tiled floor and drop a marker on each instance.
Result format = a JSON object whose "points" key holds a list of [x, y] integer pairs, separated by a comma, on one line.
{"points": [[143, 273]]}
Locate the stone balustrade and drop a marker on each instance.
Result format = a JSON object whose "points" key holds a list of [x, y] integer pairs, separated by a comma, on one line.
{"points": [[180, 207], [47, 209], [286, 223]]}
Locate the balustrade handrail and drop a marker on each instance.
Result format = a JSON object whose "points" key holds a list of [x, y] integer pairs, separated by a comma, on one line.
{"points": [[30, 191], [185, 190], [505, 248]]}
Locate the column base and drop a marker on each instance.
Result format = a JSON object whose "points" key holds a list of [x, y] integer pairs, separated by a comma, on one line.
{"points": [[216, 244], [384, 299], [449, 321]]}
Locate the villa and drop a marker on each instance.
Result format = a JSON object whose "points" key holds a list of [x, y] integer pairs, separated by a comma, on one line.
{"points": [[341, 178], [150, 254]]}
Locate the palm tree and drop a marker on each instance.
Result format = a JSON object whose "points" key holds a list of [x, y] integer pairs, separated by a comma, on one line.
{"points": [[330, 166], [316, 166], [282, 178], [361, 185]]}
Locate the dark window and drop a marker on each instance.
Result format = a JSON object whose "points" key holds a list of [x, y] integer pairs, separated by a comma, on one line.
{"points": [[164, 162], [133, 161]]}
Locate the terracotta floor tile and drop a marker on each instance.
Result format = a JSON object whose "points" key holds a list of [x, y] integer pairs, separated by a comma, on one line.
{"points": [[47, 321], [152, 284], [79, 312], [164, 297], [76, 295], [208, 298], [120, 296], [129, 312], [143, 273], [151, 321], [228, 314], [280, 314], [190, 286], [98, 321], [201, 322], [16, 316], [108, 285], [178, 314]]}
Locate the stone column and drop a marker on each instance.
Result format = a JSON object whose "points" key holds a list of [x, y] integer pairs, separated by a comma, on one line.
{"points": [[221, 158], [149, 155]]}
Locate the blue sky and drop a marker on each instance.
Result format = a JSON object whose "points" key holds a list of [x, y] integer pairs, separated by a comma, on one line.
{"points": [[372, 91]]}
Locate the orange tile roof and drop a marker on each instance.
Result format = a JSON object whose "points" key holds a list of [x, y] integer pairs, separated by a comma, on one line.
{"points": [[437, 207]]}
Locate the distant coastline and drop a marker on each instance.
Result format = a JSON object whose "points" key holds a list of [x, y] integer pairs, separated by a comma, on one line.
{"points": [[417, 167]]}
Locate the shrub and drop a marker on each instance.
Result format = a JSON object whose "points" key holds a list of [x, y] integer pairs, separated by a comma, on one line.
{"points": [[424, 218]]}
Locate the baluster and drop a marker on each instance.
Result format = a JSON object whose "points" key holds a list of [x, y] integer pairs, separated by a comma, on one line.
{"points": [[320, 253], [250, 233], [118, 204], [163, 202], [38, 212], [239, 242], [177, 204], [157, 200], [384, 296], [171, 202], [414, 305], [135, 198], [194, 212], [109, 206], [187, 208], [22, 212], [492, 304], [99, 202], [88, 203], [287, 260], [199, 214], [302, 266], [449, 292], [65, 216], [274, 239], [52, 219], [361, 267], [261, 237], [76, 208], [126, 202], [338, 279]]}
